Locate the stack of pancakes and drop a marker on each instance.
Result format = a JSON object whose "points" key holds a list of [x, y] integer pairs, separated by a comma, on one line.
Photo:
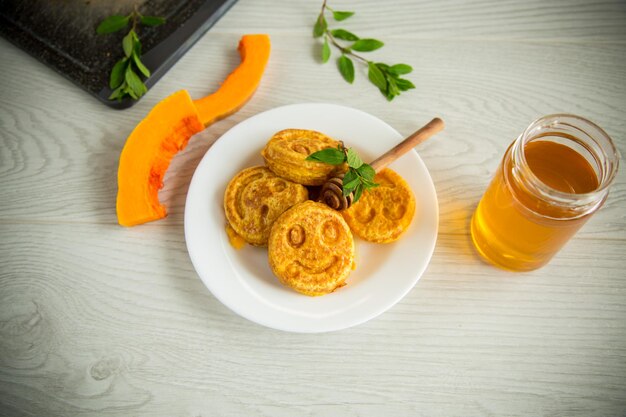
{"points": [[310, 246]]}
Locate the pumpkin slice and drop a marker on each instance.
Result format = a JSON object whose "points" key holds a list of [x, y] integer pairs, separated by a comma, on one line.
{"points": [[147, 155], [241, 84], [168, 127]]}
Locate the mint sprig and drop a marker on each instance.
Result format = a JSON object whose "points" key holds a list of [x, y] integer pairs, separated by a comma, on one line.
{"points": [[358, 178], [125, 79], [386, 77]]}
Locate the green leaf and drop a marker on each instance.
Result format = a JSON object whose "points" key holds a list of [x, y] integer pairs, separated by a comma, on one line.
{"points": [[368, 183], [349, 186], [404, 84], [127, 43], [130, 92], [376, 76], [367, 45], [341, 15], [344, 35], [354, 161], [325, 51], [346, 68], [392, 87], [152, 20], [112, 24], [367, 172], [330, 156], [350, 175], [357, 193], [134, 83], [144, 70], [117, 93], [320, 26], [400, 69], [137, 47], [117, 73]]}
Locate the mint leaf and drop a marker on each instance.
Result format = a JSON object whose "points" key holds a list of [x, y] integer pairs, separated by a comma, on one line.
{"points": [[117, 73], [152, 20], [349, 186], [325, 51], [144, 70], [400, 69], [350, 181], [130, 92], [341, 15], [128, 43], [123, 79], [357, 193], [404, 85], [330, 156], [366, 172], [367, 45], [116, 94], [134, 82], [354, 161], [344, 35], [346, 68], [392, 87], [112, 24], [376, 76], [385, 77], [368, 183], [320, 26]]}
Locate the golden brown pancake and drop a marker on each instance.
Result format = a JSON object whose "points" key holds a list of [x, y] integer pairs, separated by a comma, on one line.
{"points": [[286, 151], [311, 249], [383, 213], [254, 198]]}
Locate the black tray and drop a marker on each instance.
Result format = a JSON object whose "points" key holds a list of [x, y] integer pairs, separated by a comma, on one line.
{"points": [[62, 34]]}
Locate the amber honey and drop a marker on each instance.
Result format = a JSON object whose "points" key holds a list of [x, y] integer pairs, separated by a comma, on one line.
{"points": [[548, 185]]}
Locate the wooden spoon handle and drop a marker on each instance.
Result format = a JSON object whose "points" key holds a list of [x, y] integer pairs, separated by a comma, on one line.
{"points": [[434, 126]]}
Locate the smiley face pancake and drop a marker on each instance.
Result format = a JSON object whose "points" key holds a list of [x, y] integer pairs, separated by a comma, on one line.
{"points": [[254, 198], [383, 213], [286, 151], [311, 249]]}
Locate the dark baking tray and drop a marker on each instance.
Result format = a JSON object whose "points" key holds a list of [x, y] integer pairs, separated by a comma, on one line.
{"points": [[62, 34]]}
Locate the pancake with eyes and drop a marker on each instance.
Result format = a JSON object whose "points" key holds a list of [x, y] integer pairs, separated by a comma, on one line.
{"points": [[254, 198], [311, 249], [382, 214], [286, 151]]}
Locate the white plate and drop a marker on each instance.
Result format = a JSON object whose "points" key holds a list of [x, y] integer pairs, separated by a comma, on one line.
{"points": [[242, 279]]}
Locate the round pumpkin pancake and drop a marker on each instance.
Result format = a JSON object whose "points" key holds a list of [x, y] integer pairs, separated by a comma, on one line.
{"points": [[286, 151], [254, 198], [383, 213], [311, 249]]}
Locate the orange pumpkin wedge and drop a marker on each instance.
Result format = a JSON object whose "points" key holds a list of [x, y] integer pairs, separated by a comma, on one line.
{"points": [[240, 85], [168, 127]]}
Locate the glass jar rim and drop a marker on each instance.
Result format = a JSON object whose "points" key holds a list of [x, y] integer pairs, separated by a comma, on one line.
{"points": [[612, 156]]}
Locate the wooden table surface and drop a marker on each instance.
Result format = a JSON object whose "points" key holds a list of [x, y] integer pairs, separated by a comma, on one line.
{"points": [[101, 320]]}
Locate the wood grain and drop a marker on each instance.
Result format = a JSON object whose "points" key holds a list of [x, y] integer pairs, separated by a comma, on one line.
{"points": [[99, 320], [81, 332]]}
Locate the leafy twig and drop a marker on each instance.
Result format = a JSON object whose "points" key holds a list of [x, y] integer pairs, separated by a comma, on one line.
{"points": [[124, 79], [360, 176], [385, 77]]}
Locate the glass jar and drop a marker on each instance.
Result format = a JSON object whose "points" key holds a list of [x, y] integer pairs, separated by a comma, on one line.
{"points": [[551, 180]]}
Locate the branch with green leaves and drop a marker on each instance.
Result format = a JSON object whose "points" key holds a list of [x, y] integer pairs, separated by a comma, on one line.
{"points": [[124, 79], [386, 77], [358, 178]]}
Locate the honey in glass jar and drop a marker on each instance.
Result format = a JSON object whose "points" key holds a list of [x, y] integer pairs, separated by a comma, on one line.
{"points": [[550, 182]]}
